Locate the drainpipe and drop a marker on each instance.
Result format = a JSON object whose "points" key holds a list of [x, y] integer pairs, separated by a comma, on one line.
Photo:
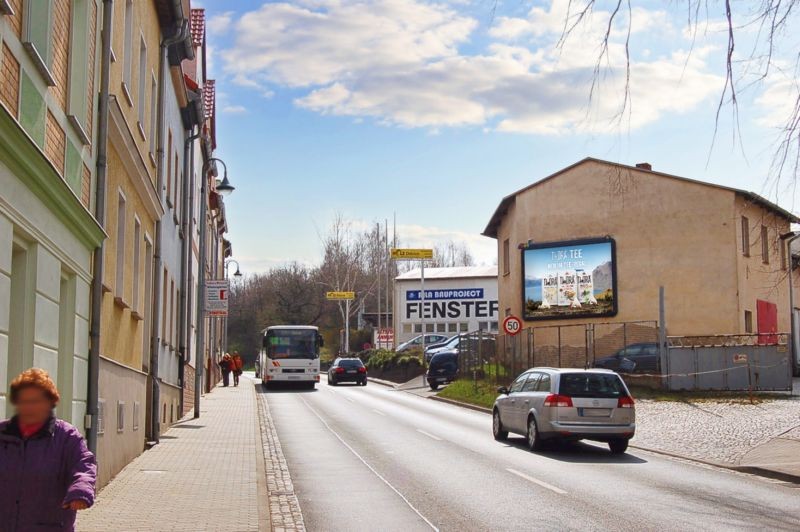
{"points": [[155, 399], [788, 238], [201, 288], [184, 325], [93, 389]]}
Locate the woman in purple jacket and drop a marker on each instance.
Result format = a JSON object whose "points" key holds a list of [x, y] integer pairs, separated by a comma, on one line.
{"points": [[46, 471]]}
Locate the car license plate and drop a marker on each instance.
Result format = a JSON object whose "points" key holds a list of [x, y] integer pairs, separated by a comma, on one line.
{"points": [[441, 379], [351, 371], [594, 412], [294, 376]]}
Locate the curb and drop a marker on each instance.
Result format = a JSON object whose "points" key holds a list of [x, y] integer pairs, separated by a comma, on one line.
{"points": [[384, 382], [752, 470]]}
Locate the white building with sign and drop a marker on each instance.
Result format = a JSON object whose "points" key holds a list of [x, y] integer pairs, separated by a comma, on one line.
{"points": [[456, 300]]}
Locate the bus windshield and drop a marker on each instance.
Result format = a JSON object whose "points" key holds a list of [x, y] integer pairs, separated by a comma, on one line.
{"points": [[291, 343]]}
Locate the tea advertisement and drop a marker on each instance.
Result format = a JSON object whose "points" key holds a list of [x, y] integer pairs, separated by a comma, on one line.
{"points": [[569, 279]]}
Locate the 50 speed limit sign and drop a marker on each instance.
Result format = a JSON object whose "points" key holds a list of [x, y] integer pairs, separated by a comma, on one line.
{"points": [[512, 325]]}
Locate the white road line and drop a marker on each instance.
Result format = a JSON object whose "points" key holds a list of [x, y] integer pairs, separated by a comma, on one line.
{"points": [[379, 412], [355, 453], [428, 434], [536, 481]]}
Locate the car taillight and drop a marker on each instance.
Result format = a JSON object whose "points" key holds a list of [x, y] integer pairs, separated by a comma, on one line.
{"points": [[558, 400], [362, 369], [339, 370], [625, 402]]}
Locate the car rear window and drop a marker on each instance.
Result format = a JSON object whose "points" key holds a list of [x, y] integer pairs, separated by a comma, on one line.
{"points": [[591, 385], [351, 363]]}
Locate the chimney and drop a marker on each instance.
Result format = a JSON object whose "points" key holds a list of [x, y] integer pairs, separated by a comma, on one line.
{"points": [[644, 166]]}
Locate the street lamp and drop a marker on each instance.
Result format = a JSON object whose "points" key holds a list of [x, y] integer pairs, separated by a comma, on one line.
{"points": [[787, 239], [201, 289], [237, 273]]}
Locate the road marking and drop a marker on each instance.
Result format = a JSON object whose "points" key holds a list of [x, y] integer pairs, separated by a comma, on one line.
{"points": [[428, 434], [536, 481], [355, 453], [379, 412]]}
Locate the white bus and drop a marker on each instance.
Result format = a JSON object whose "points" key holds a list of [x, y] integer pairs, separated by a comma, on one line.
{"points": [[290, 353]]}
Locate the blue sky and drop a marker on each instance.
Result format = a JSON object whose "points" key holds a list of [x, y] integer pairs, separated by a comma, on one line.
{"points": [[436, 110]]}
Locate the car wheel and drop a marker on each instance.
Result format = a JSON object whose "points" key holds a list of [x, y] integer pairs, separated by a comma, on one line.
{"points": [[618, 446], [534, 441], [434, 386], [499, 433], [364, 382], [332, 382]]}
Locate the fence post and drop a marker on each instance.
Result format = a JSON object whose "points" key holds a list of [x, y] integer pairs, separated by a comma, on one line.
{"points": [[559, 346], [663, 353], [624, 334], [586, 333], [533, 345], [476, 362]]}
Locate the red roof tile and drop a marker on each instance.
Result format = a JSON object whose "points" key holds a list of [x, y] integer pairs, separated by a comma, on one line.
{"points": [[198, 26], [209, 97]]}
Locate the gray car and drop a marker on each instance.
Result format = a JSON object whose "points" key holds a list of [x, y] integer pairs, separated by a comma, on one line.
{"points": [[572, 404]]}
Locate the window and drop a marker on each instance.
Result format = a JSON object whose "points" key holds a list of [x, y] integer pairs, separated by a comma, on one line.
{"points": [[782, 244], [81, 55], [517, 385], [591, 385], [101, 416], [176, 187], [121, 221], [153, 102], [172, 312], [748, 322], [164, 306], [37, 36], [764, 244], [169, 168], [429, 328], [148, 290], [452, 327], [120, 416], [417, 327], [494, 326], [483, 325], [127, 65], [137, 406], [506, 257], [142, 83], [406, 327], [137, 236], [463, 326], [745, 236], [532, 382], [544, 383], [441, 327]]}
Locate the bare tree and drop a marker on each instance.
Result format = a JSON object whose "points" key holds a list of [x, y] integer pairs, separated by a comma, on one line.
{"points": [[451, 253]]}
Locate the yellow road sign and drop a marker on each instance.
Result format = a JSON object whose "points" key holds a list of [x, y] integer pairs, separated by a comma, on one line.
{"points": [[411, 254], [340, 296]]}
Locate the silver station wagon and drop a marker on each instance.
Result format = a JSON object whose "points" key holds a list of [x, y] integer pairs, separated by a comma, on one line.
{"points": [[572, 404]]}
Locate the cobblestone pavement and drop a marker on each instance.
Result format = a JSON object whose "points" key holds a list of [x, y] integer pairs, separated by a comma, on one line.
{"points": [[203, 476], [718, 431], [283, 504]]}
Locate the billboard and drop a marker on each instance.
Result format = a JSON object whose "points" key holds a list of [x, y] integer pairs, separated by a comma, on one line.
{"points": [[571, 279]]}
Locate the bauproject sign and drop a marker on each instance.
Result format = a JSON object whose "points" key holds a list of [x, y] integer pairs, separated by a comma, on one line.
{"points": [[450, 304]]}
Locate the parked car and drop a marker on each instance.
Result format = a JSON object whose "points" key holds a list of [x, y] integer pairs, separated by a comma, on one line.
{"points": [[347, 370], [442, 369], [573, 404], [636, 358], [430, 339], [456, 344]]}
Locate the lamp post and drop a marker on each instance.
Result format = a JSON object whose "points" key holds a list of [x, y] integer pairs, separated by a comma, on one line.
{"points": [[236, 274], [201, 289], [787, 239]]}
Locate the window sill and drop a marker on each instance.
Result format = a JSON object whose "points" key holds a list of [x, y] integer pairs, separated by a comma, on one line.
{"points": [[152, 159], [169, 201], [76, 125], [41, 66], [141, 130], [127, 94], [119, 302], [135, 315], [105, 287], [113, 56], [6, 9], [177, 222]]}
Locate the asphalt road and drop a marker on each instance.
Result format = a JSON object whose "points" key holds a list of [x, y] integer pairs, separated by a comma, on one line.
{"points": [[378, 459]]}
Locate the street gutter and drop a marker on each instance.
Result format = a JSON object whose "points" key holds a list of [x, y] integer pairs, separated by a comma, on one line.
{"points": [[384, 382], [752, 470]]}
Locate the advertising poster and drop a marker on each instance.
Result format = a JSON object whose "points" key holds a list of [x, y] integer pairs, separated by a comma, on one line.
{"points": [[573, 279]]}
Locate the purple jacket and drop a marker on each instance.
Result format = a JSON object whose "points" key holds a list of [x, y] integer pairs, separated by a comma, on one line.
{"points": [[39, 475]]}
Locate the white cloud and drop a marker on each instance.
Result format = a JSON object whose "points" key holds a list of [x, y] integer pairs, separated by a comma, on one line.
{"points": [[484, 249], [400, 62], [221, 23], [777, 101], [234, 109]]}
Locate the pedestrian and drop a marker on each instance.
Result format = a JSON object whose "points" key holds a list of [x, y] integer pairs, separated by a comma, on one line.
{"points": [[238, 367], [226, 364], [47, 473]]}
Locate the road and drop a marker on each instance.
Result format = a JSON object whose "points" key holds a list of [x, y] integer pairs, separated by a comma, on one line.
{"points": [[375, 458]]}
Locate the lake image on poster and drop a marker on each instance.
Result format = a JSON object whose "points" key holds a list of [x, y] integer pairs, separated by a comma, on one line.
{"points": [[569, 280]]}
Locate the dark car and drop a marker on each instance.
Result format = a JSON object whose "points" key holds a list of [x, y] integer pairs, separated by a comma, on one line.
{"points": [[442, 369], [430, 339], [347, 370], [636, 358]]}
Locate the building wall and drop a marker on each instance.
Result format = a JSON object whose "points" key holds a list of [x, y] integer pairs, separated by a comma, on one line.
{"points": [[461, 317], [668, 232]]}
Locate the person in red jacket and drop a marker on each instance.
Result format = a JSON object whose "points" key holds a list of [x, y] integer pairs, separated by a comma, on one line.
{"points": [[238, 366]]}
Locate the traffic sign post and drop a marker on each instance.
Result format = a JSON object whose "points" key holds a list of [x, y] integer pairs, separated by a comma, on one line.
{"points": [[347, 297], [512, 325], [420, 254]]}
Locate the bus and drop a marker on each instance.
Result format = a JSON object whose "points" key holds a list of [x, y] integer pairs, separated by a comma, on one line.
{"points": [[290, 353]]}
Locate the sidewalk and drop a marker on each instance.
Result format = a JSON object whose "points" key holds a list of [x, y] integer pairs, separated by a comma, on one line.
{"points": [[205, 474]]}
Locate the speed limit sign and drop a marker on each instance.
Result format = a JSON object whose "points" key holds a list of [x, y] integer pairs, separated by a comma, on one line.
{"points": [[512, 325]]}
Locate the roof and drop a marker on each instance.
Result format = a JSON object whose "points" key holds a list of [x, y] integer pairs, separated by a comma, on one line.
{"points": [[296, 327], [458, 272], [198, 26], [502, 208]]}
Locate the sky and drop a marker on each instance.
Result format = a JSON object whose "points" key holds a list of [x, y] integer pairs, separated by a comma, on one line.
{"points": [[436, 110]]}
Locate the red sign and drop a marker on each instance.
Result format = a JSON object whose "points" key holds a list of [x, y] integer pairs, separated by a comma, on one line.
{"points": [[512, 325]]}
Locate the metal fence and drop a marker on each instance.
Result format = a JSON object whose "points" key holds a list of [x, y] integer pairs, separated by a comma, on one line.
{"points": [[729, 362], [499, 358]]}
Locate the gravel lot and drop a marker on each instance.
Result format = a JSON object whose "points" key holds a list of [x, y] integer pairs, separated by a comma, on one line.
{"points": [[718, 430]]}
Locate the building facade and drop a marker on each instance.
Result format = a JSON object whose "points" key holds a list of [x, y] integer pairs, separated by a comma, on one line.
{"points": [[48, 87], [457, 300], [717, 251]]}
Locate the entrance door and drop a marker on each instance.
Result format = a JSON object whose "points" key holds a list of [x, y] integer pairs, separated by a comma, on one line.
{"points": [[767, 316]]}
